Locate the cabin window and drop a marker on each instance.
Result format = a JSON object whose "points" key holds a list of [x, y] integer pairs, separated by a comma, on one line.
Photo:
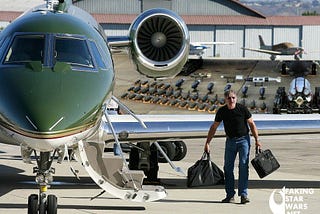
{"points": [[73, 51], [26, 48]]}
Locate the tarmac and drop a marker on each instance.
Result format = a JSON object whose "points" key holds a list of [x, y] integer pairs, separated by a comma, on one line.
{"points": [[298, 155], [299, 170]]}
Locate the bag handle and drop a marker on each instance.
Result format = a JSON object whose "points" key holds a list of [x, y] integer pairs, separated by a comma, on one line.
{"points": [[205, 156], [258, 150]]}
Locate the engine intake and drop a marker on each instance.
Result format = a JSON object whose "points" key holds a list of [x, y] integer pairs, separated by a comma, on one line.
{"points": [[160, 43]]}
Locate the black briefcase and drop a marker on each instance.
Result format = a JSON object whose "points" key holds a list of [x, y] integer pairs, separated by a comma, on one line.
{"points": [[204, 173], [264, 162]]}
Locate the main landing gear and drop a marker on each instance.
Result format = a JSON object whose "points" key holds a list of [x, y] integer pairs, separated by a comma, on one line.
{"points": [[146, 157], [42, 203]]}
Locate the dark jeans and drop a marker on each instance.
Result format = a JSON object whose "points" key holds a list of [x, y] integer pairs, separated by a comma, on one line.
{"points": [[239, 145]]}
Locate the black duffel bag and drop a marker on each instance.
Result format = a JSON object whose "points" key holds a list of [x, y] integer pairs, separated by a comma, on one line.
{"points": [[204, 173]]}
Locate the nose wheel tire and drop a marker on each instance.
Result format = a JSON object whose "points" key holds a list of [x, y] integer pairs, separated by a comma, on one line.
{"points": [[48, 207], [52, 204], [33, 204]]}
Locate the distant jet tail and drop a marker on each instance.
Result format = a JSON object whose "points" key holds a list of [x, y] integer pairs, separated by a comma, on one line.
{"points": [[261, 41]]}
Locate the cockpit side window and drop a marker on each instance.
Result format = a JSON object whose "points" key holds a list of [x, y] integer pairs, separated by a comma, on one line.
{"points": [[26, 48], [73, 51], [97, 55]]}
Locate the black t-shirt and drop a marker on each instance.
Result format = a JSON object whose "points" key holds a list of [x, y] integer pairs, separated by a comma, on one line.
{"points": [[234, 120]]}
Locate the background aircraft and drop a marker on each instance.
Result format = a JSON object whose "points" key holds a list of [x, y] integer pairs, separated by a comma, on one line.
{"points": [[285, 48], [198, 48]]}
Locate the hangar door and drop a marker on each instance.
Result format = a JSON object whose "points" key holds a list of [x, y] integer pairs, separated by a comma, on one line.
{"points": [[290, 34], [229, 34], [311, 42], [252, 41], [200, 34]]}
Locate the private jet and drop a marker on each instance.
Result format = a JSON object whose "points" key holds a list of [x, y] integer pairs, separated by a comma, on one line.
{"points": [[56, 80]]}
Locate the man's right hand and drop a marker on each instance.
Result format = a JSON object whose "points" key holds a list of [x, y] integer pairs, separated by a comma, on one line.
{"points": [[207, 148]]}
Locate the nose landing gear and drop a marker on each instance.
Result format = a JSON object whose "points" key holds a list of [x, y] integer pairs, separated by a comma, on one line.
{"points": [[42, 203]]}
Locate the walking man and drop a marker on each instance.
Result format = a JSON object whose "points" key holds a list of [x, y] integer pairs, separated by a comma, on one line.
{"points": [[236, 119]]}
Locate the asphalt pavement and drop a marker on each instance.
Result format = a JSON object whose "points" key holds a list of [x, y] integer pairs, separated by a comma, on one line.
{"points": [[299, 173]]}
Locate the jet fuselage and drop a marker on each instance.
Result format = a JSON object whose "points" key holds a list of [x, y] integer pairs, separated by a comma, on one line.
{"points": [[56, 73]]}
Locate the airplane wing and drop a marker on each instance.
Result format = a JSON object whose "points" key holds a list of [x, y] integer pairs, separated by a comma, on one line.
{"points": [[124, 41], [197, 126], [118, 41], [211, 43], [199, 48], [121, 43], [263, 51], [118, 44]]}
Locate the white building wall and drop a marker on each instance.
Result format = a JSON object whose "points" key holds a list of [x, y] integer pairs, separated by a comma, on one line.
{"points": [[311, 42], [229, 34], [245, 36], [116, 29], [202, 34], [3, 24], [287, 34], [252, 41]]}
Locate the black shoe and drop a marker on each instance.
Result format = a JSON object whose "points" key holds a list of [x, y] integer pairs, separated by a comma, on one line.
{"points": [[244, 200], [228, 200]]}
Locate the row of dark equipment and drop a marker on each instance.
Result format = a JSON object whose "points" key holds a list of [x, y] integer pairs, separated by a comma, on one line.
{"points": [[174, 95]]}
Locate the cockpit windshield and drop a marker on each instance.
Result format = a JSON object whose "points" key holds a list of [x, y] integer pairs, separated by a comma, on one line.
{"points": [[26, 48], [79, 52], [73, 51]]}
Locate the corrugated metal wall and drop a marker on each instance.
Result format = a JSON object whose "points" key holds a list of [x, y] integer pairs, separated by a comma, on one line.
{"points": [[4, 24], [110, 6], [229, 34], [202, 34], [311, 42], [287, 34], [244, 36], [190, 7], [148, 4], [251, 40], [207, 7], [115, 29]]}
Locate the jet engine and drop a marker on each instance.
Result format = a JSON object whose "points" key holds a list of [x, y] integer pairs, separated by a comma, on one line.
{"points": [[160, 43]]}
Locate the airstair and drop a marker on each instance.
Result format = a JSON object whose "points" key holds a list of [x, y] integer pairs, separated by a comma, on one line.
{"points": [[112, 174]]}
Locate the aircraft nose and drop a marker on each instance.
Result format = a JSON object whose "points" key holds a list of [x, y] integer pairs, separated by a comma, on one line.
{"points": [[51, 101]]}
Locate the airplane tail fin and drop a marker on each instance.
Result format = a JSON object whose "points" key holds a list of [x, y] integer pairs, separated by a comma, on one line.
{"points": [[261, 41]]}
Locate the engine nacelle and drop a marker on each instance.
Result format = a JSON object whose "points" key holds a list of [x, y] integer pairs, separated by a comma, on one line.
{"points": [[160, 43]]}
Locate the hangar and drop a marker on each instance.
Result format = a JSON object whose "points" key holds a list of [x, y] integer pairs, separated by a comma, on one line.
{"points": [[216, 20], [211, 20]]}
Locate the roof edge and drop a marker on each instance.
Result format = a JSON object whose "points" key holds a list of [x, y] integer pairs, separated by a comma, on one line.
{"points": [[248, 8], [9, 16]]}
